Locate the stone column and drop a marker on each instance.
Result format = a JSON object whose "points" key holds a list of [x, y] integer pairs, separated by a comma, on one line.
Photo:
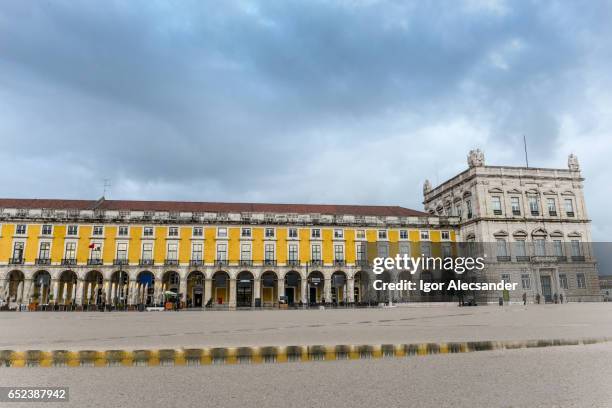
{"points": [[158, 295], [350, 288], [55, 286], [327, 290], [281, 288], [232, 293], [28, 292], [257, 289], [304, 290], [207, 290], [19, 294], [183, 289], [79, 292]]}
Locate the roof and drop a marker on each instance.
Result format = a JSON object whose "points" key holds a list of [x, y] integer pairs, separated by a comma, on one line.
{"points": [[193, 206]]}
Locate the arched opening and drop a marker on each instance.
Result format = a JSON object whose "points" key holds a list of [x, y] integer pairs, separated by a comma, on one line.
{"points": [[220, 284], [293, 287], [195, 289], [16, 282], [383, 295], [269, 289], [145, 288], [171, 282], [93, 288], [316, 283], [118, 291], [338, 288], [41, 288], [244, 289], [404, 295], [67, 287], [360, 286]]}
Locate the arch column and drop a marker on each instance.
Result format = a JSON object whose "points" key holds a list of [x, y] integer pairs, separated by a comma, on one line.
{"points": [[207, 289], [79, 292], [327, 290], [257, 289], [280, 285], [55, 286], [29, 289], [350, 288], [304, 290], [157, 291], [232, 293], [183, 289]]}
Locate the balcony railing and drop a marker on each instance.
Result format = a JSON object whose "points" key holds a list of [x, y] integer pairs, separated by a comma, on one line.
{"points": [[361, 262], [171, 262], [43, 261], [293, 262], [221, 262], [120, 261], [269, 262], [544, 258], [570, 213], [16, 261], [578, 258], [69, 261], [516, 212], [94, 261], [552, 213], [523, 258], [196, 262], [316, 262], [535, 213], [246, 262], [497, 212], [146, 262], [338, 262], [503, 259]]}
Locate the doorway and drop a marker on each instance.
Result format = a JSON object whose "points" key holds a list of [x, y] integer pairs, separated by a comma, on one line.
{"points": [[546, 288], [290, 294]]}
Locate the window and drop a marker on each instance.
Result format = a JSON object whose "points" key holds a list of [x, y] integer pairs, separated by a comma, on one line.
{"points": [[338, 234], [459, 210], [563, 280], [70, 252], [197, 251], [270, 233], [339, 253], [172, 253], [521, 250], [73, 230], [246, 233], [122, 248], [361, 251], [552, 207], [18, 251], [404, 248], [496, 204], [446, 250], [468, 207], [222, 252], [576, 249], [526, 281], [403, 234], [540, 247], [45, 250], [293, 253], [558, 247], [123, 231], [569, 207], [96, 251], [147, 231], [221, 232], [197, 231], [580, 281], [533, 205], [147, 251], [269, 251], [20, 229], [173, 231], [47, 229], [98, 230], [245, 252], [315, 233], [425, 235], [502, 250], [293, 233], [315, 251], [382, 250], [382, 234], [360, 234], [445, 235], [505, 277], [426, 248], [515, 203]]}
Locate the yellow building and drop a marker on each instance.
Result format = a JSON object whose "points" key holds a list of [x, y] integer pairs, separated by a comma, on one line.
{"points": [[69, 253]]}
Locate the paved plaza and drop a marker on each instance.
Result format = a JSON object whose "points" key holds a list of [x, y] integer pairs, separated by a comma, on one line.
{"points": [[134, 330]]}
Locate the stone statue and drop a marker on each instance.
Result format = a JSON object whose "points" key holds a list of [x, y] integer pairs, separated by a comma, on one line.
{"points": [[572, 162], [476, 158], [426, 187]]}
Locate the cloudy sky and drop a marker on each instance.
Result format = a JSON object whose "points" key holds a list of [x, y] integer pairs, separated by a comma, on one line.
{"points": [[285, 101]]}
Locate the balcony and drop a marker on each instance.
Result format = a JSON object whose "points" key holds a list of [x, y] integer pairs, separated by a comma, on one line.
{"points": [[293, 262], [516, 212], [171, 262], [503, 259], [120, 261], [535, 213], [561, 258], [338, 262], [43, 261], [94, 261], [270, 262], [544, 258], [146, 262], [578, 258], [570, 214], [15, 261], [552, 213], [523, 258], [246, 262], [361, 262], [497, 212], [69, 261], [316, 262], [196, 262], [221, 262]]}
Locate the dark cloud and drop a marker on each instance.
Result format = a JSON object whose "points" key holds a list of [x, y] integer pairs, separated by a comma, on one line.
{"points": [[294, 101]]}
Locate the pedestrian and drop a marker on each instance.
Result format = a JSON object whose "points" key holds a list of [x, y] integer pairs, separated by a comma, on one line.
{"points": [[556, 298], [524, 298], [561, 298]]}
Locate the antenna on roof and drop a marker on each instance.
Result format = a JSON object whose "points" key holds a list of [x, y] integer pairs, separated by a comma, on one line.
{"points": [[107, 186], [525, 145]]}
